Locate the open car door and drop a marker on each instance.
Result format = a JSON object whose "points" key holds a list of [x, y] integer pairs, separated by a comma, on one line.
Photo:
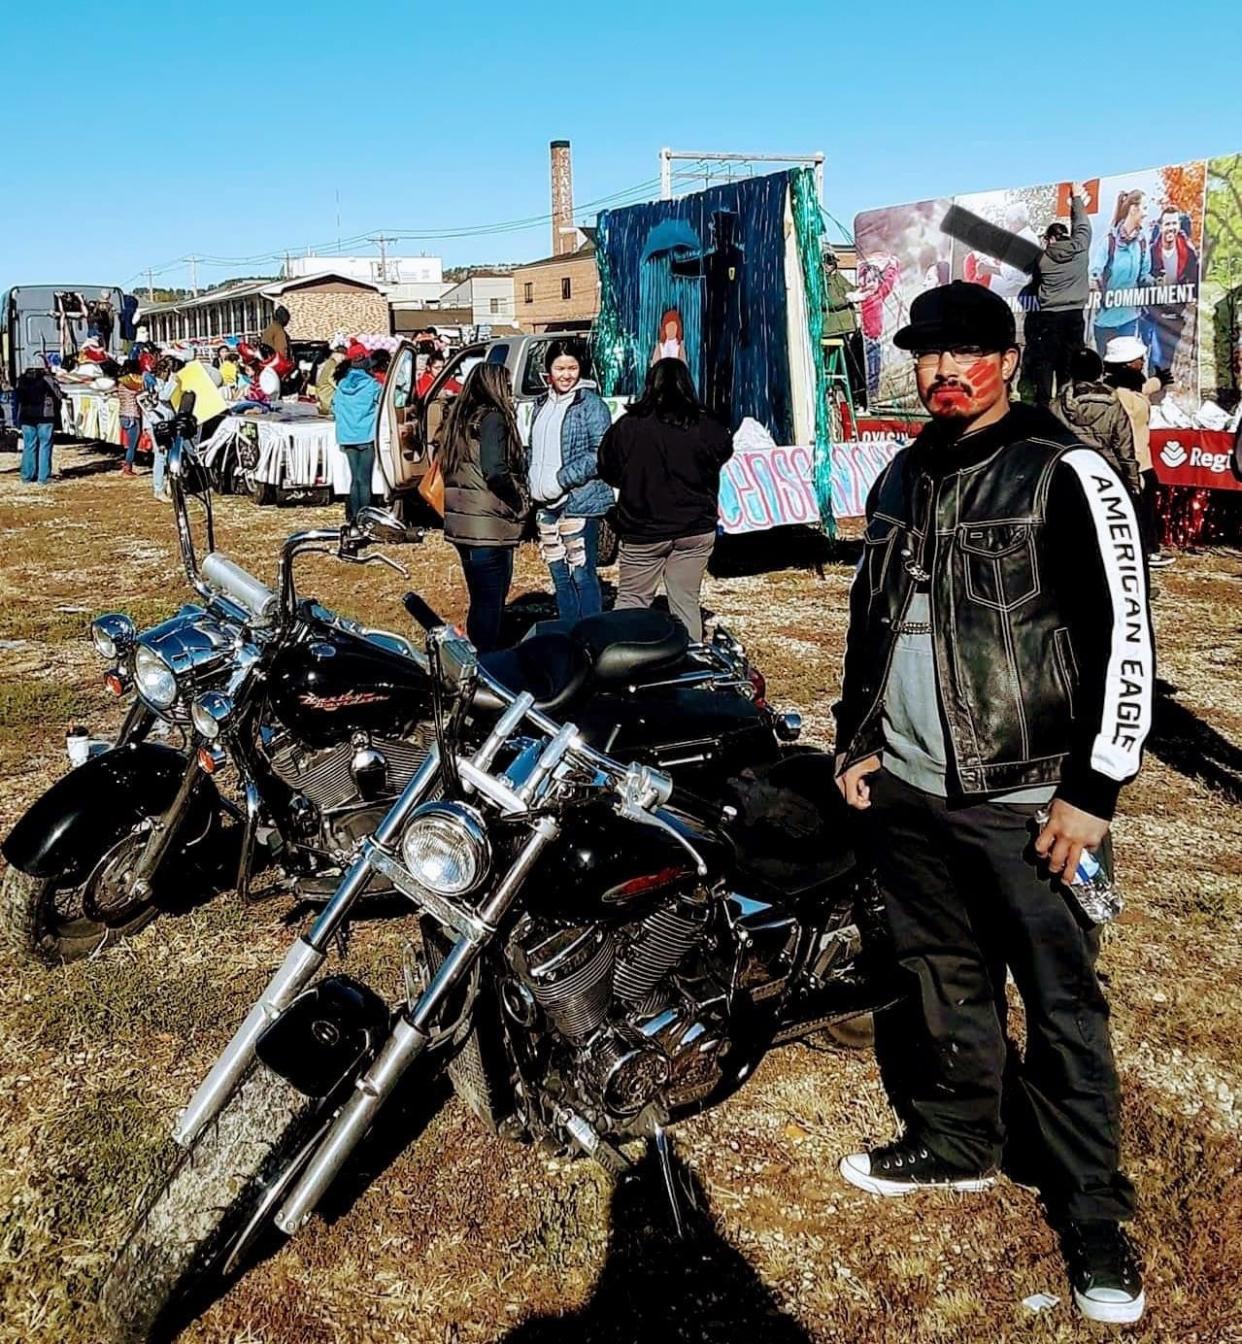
{"points": [[398, 440], [408, 432]]}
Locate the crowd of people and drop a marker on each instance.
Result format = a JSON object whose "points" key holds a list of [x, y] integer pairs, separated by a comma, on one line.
{"points": [[149, 382], [662, 459]]}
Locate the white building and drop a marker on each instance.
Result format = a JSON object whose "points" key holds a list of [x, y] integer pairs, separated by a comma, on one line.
{"points": [[488, 296], [389, 271]]}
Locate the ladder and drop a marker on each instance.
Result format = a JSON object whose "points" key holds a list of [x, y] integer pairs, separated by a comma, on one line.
{"points": [[840, 397]]}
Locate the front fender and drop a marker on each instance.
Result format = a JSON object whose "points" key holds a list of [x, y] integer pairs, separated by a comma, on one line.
{"points": [[66, 832], [326, 1034]]}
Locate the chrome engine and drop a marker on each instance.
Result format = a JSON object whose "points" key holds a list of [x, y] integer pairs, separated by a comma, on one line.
{"points": [[640, 1013], [361, 769], [340, 793]]}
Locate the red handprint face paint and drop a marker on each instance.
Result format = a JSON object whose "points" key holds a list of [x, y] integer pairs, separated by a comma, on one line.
{"points": [[962, 394]]}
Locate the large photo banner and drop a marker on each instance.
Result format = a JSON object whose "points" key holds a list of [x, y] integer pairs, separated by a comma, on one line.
{"points": [[1165, 265]]}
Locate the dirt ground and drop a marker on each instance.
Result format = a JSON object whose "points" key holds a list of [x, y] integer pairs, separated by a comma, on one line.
{"points": [[456, 1236]]}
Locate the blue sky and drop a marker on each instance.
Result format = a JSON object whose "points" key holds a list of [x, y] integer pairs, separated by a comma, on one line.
{"points": [[150, 132]]}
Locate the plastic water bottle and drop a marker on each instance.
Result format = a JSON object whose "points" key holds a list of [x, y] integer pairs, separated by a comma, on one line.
{"points": [[1092, 882]]}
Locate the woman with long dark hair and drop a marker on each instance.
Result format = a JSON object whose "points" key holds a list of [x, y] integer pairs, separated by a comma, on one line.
{"points": [[570, 420], [484, 473], [664, 456]]}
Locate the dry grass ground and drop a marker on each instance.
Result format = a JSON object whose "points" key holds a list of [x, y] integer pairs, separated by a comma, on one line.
{"points": [[457, 1237]]}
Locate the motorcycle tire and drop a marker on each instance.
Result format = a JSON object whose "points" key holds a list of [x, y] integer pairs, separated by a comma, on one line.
{"points": [[205, 1200], [41, 920], [57, 924]]}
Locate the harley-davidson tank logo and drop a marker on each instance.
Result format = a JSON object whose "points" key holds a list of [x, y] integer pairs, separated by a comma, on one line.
{"points": [[346, 700]]}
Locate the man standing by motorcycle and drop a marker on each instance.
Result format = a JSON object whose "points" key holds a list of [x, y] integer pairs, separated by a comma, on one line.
{"points": [[999, 662]]}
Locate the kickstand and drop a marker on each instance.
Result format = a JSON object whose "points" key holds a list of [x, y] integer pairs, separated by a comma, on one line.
{"points": [[659, 1147]]}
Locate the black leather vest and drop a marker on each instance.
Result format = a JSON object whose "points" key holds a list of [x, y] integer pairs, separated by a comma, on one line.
{"points": [[1004, 662]]}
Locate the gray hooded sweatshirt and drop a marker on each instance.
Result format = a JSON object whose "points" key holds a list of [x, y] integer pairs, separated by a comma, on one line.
{"points": [[1062, 266]]}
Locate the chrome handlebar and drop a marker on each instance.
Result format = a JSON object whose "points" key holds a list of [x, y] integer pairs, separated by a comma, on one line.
{"points": [[641, 790]]}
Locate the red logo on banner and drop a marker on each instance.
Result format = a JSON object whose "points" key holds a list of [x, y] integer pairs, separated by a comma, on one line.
{"points": [[1199, 458]]}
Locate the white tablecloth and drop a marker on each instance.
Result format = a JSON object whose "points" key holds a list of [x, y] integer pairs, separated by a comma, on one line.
{"points": [[87, 413], [289, 448]]}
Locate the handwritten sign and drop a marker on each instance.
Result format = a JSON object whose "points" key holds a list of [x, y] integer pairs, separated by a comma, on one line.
{"points": [[769, 487]]}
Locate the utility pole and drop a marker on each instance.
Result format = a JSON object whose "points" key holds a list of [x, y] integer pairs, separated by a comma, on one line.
{"points": [[150, 285], [382, 243], [193, 275]]}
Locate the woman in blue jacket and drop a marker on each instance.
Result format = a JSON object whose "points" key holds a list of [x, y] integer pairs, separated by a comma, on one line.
{"points": [[1124, 264], [355, 408], [570, 420]]}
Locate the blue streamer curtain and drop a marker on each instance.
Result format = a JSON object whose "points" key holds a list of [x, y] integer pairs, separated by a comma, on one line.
{"points": [[703, 277]]}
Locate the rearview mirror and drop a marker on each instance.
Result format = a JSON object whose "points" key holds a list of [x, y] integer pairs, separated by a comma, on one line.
{"points": [[384, 527]]}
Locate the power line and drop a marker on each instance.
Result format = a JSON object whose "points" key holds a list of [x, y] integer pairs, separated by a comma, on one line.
{"points": [[395, 235]]}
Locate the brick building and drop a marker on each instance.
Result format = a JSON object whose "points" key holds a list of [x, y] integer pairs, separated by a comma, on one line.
{"points": [[557, 292], [318, 305], [321, 304]]}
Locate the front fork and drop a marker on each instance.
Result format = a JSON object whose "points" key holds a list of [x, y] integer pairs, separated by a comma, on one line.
{"points": [[304, 958], [408, 1040], [164, 831]]}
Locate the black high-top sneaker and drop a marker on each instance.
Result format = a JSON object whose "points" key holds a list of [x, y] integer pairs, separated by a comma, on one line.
{"points": [[1104, 1270], [907, 1165]]}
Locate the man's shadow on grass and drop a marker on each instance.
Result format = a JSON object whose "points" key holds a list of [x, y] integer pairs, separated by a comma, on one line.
{"points": [[655, 1286], [1185, 743]]}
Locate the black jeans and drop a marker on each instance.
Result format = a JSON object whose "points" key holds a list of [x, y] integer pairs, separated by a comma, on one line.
{"points": [[1051, 338], [488, 571], [964, 900], [1145, 507], [361, 459]]}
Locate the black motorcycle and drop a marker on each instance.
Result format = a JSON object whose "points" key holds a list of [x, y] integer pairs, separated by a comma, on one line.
{"points": [[320, 722], [601, 954]]}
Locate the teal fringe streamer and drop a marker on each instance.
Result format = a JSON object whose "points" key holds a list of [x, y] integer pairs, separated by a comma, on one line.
{"points": [[612, 354], [809, 227]]}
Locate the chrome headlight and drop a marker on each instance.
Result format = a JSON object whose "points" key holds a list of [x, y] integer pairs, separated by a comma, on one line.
{"points": [[446, 849], [155, 680], [113, 635], [210, 714], [180, 655]]}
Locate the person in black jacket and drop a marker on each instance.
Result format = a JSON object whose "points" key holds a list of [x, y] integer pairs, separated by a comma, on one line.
{"points": [[484, 494], [664, 456], [37, 399], [999, 663]]}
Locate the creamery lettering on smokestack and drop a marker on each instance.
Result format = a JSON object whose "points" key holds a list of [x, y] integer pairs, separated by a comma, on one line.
{"points": [[564, 235]]}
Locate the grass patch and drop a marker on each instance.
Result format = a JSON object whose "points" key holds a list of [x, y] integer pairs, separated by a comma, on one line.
{"points": [[40, 621], [27, 706]]}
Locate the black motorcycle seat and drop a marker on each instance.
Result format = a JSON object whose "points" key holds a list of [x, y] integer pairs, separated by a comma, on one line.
{"points": [[552, 667], [623, 643]]}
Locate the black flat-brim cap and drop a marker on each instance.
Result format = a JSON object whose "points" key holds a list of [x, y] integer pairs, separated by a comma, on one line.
{"points": [[959, 313]]}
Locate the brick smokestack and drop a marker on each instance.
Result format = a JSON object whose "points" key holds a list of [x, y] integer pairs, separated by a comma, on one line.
{"points": [[564, 235]]}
